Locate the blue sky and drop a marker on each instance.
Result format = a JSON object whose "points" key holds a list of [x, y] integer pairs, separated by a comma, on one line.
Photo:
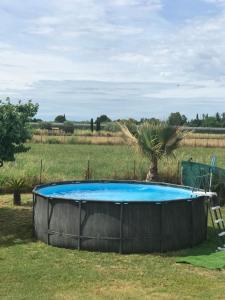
{"points": [[124, 58]]}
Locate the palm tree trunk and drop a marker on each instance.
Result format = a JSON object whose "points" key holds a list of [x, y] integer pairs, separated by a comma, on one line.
{"points": [[16, 197], [153, 170]]}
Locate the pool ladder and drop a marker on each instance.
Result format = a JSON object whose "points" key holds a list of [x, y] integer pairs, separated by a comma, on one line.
{"points": [[218, 223]]}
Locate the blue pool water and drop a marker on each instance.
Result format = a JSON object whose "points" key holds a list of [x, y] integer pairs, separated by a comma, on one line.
{"points": [[119, 192]]}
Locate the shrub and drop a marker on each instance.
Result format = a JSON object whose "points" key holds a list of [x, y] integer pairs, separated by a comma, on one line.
{"points": [[17, 185], [46, 125], [53, 141], [60, 119], [73, 141], [68, 127]]}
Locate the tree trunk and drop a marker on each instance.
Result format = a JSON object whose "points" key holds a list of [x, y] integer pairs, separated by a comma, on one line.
{"points": [[16, 198], [153, 170]]}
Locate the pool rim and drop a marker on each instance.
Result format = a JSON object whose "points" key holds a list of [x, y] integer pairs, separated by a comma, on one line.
{"points": [[38, 187]]}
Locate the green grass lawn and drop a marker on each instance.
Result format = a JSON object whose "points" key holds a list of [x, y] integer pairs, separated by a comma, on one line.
{"points": [[67, 162], [33, 270]]}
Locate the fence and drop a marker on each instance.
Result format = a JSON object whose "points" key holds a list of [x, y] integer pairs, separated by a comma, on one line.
{"points": [[197, 175]]}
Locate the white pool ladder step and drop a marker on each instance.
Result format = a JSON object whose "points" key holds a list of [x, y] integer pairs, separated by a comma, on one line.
{"points": [[215, 207], [221, 248], [217, 219]]}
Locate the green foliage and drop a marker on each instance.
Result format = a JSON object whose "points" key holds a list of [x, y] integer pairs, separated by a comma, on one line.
{"points": [[103, 119], [68, 162], [158, 140], [98, 124], [112, 127], [92, 125], [53, 141], [176, 119], [150, 120], [132, 126], [14, 129], [68, 127], [46, 125], [217, 121], [60, 119], [154, 141], [16, 184]]}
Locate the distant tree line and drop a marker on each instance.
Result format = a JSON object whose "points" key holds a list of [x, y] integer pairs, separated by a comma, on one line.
{"points": [[218, 120], [178, 119], [61, 122], [175, 119]]}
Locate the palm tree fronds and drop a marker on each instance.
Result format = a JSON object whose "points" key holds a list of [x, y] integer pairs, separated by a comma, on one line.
{"points": [[129, 137]]}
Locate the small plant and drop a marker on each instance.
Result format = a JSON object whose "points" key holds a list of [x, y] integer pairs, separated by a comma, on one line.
{"points": [[73, 141], [46, 125], [53, 141], [16, 185], [68, 127]]}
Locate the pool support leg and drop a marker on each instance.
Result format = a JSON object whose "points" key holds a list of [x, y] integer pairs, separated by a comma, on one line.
{"points": [[121, 229], [79, 227]]}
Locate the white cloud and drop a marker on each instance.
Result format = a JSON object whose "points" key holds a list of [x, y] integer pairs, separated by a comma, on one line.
{"points": [[149, 4], [112, 40], [132, 58], [207, 89], [219, 2]]}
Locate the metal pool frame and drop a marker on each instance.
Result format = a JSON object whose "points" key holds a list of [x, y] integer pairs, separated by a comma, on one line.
{"points": [[124, 227]]}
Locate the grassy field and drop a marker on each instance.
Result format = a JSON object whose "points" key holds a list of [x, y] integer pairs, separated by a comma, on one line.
{"points": [[207, 140], [68, 162], [79, 139], [33, 270]]}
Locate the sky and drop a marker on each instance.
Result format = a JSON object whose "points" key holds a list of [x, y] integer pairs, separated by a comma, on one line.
{"points": [[123, 58]]}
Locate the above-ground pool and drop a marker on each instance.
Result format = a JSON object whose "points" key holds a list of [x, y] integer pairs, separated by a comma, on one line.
{"points": [[125, 217]]}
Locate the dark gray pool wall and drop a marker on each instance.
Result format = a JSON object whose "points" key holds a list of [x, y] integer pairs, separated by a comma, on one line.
{"points": [[134, 227]]}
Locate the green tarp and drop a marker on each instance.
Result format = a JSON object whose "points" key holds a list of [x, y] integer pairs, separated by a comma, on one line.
{"points": [[197, 175]]}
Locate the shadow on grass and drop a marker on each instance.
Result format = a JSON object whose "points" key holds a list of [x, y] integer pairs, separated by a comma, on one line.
{"points": [[15, 226], [205, 248], [204, 255], [28, 204]]}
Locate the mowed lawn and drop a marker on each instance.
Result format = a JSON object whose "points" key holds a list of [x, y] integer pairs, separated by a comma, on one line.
{"points": [[33, 270], [68, 162]]}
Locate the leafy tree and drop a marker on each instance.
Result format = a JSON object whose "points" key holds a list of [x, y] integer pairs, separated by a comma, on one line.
{"points": [[68, 127], [131, 126], [151, 120], [218, 118], [98, 124], [196, 122], [92, 125], [223, 120], [46, 125], [60, 119], [103, 119], [176, 119], [210, 121], [154, 141], [35, 120], [14, 128]]}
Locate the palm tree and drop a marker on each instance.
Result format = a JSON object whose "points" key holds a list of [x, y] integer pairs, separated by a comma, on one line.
{"points": [[154, 141], [16, 184]]}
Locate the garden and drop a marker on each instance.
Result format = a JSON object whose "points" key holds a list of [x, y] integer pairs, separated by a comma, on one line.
{"points": [[30, 269]]}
